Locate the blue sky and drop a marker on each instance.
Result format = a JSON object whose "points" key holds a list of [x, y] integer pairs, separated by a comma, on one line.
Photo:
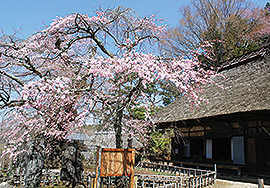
{"points": [[29, 15]]}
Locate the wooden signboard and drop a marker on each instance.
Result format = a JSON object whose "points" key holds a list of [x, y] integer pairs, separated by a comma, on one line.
{"points": [[117, 162]]}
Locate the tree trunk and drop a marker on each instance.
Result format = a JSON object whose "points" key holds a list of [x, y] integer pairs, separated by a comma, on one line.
{"points": [[129, 140], [119, 181], [118, 129]]}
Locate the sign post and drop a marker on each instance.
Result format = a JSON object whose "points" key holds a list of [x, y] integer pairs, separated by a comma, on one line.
{"points": [[96, 168], [118, 162]]}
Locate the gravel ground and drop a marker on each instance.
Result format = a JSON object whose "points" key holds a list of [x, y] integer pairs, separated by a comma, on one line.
{"points": [[233, 184]]}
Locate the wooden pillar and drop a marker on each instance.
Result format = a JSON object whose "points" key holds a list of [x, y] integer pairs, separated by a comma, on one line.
{"points": [[216, 171], [135, 182], [96, 169], [204, 142], [131, 179], [242, 126], [260, 183]]}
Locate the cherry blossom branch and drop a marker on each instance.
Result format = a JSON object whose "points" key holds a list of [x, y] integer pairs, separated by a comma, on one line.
{"points": [[132, 91]]}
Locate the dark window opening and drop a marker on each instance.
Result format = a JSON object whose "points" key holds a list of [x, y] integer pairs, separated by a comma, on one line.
{"points": [[196, 148], [222, 149]]}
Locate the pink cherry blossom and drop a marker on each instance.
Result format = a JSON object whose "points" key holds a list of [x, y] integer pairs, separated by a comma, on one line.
{"points": [[100, 66]]}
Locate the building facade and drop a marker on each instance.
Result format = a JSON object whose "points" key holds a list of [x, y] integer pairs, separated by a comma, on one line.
{"points": [[233, 127]]}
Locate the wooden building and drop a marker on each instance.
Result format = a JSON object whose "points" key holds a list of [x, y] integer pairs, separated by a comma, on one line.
{"points": [[233, 127]]}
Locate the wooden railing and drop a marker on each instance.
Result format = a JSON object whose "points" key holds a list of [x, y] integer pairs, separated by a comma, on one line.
{"points": [[177, 176], [171, 185]]}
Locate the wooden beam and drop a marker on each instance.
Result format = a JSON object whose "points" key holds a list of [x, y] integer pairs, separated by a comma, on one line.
{"points": [[131, 179], [96, 169]]}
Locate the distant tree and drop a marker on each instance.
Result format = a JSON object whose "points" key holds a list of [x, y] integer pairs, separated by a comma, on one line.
{"points": [[159, 145], [267, 7], [224, 23], [261, 33]]}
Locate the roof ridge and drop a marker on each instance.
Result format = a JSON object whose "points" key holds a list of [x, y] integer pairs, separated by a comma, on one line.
{"points": [[244, 58]]}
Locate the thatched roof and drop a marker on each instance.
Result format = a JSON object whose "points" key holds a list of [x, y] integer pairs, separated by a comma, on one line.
{"points": [[107, 140], [79, 136], [246, 88]]}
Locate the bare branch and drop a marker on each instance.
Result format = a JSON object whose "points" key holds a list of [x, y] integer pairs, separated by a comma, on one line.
{"points": [[18, 80], [12, 103]]}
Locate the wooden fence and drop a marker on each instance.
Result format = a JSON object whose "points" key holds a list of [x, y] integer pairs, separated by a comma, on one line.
{"points": [[171, 185], [180, 176]]}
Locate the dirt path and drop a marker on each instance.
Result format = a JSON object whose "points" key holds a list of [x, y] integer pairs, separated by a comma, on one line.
{"points": [[233, 184]]}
